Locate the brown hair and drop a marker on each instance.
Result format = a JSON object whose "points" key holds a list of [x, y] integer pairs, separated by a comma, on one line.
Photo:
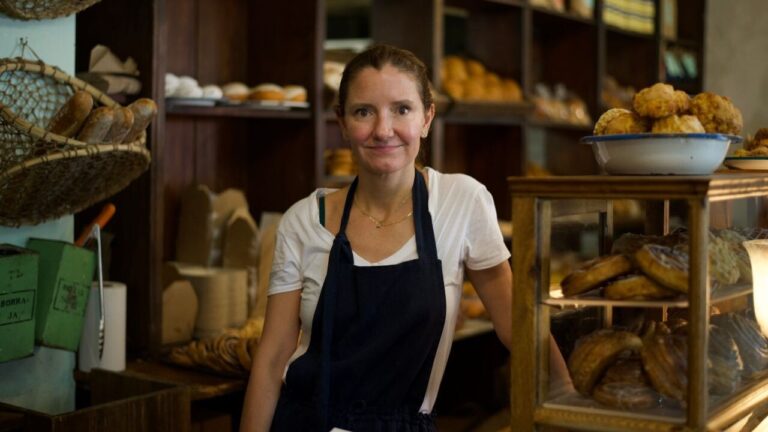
{"points": [[379, 56]]}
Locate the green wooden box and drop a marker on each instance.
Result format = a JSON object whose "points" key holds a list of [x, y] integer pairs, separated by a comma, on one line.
{"points": [[18, 289], [66, 273]]}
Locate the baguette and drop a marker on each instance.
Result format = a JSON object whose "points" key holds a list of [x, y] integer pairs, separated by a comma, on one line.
{"points": [[120, 126], [97, 125], [70, 117], [143, 111]]}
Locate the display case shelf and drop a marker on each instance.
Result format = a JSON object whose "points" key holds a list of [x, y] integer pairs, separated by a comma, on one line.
{"points": [[231, 111], [593, 299]]}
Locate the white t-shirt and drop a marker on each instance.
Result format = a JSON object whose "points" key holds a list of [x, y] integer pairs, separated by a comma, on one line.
{"points": [[466, 232]]}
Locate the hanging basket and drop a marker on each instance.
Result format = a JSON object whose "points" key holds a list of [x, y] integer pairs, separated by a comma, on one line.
{"points": [[44, 175], [43, 9]]}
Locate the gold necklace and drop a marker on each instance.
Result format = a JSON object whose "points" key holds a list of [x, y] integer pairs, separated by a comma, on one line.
{"points": [[381, 223]]}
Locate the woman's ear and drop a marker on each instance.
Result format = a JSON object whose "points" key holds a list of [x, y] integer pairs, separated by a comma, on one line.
{"points": [[429, 115]]}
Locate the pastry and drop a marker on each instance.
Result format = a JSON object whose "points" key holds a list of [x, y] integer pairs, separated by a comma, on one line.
{"points": [[717, 113], [636, 287], [620, 121], [474, 89], [595, 352], [267, 92], [453, 88], [121, 125], [629, 243], [475, 68], [665, 361], [665, 265], [212, 91], [455, 68], [657, 101], [97, 125], [235, 91], [678, 124], [295, 93], [734, 241], [511, 91], [594, 272], [752, 345], [144, 110], [724, 362], [628, 371], [71, 116]]}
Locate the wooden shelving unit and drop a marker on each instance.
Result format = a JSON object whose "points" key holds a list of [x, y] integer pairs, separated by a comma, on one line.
{"points": [[277, 157]]}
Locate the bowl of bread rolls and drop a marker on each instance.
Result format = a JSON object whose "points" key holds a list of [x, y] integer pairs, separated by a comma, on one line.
{"points": [[667, 132]]}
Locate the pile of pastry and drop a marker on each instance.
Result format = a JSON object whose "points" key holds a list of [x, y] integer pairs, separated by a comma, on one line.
{"points": [[237, 91], [469, 80], [231, 353], [662, 109], [81, 119], [648, 367], [756, 145], [647, 267]]}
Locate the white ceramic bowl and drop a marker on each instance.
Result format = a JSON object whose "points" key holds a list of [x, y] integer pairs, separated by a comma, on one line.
{"points": [[660, 154]]}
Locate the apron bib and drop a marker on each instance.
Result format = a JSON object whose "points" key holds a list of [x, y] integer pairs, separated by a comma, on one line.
{"points": [[375, 333]]}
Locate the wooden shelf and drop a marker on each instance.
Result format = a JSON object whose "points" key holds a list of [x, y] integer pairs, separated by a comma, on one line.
{"points": [[202, 385], [593, 299], [564, 15], [235, 112], [646, 36]]}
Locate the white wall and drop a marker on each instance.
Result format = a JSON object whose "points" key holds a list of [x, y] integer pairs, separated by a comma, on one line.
{"points": [[43, 382], [736, 59]]}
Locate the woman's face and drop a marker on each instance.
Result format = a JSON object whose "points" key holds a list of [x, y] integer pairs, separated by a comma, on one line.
{"points": [[384, 120]]}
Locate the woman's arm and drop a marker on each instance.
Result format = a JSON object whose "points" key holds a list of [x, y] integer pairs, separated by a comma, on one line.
{"points": [[277, 344], [494, 286]]}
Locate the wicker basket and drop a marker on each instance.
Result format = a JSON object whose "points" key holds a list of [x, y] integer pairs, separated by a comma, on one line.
{"points": [[44, 175], [43, 9]]}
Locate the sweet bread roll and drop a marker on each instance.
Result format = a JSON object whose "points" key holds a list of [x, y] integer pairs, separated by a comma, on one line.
{"points": [[636, 287], [455, 68], [475, 69], [97, 125], [454, 88], [144, 110], [295, 93], [752, 345], [620, 121], [595, 272], [717, 113], [235, 91], [267, 92], [71, 116], [121, 125], [595, 352], [664, 265], [657, 101], [474, 89], [511, 91], [678, 124], [629, 243], [665, 361]]}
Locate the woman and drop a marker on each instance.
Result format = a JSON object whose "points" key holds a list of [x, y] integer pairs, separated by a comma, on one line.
{"points": [[370, 275]]}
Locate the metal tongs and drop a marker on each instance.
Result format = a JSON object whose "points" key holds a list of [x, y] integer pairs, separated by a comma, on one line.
{"points": [[93, 231]]}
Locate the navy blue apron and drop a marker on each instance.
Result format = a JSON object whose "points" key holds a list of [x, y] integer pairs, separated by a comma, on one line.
{"points": [[374, 337]]}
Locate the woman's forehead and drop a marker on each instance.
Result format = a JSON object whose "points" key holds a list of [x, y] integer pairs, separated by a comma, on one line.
{"points": [[388, 79]]}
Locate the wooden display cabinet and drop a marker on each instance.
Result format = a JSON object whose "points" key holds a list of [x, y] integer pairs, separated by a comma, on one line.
{"points": [[535, 205]]}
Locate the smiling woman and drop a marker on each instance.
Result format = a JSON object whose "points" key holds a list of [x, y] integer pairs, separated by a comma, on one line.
{"points": [[368, 278]]}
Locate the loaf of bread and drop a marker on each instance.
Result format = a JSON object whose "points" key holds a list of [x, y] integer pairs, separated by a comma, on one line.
{"points": [[97, 125], [121, 125], [295, 93], [267, 91], [71, 116], [143, 111]]}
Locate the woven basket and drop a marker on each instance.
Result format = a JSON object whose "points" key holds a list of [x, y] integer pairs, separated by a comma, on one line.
{"points": [[44, 175], [43, 9]]}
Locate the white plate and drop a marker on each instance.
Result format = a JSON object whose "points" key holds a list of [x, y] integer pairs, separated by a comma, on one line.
{"points": [[759, 163], [660, 154], [190, 101]]}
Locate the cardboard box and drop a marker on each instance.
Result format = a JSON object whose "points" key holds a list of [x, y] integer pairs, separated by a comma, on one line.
{"points": [[66, 273], [18, 289]]}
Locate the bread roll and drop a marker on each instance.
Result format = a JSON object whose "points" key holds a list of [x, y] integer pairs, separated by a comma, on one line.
{"points": [[70, 117], [121, 125], [267, 92], [235, 91], [97, 125], [295, 93], [143, 111]]}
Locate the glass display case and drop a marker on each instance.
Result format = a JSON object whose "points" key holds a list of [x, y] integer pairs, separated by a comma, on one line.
{"points": [[676, 345]]}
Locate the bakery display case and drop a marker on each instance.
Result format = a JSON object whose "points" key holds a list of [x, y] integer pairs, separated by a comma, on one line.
{"points": [[676, 342]]}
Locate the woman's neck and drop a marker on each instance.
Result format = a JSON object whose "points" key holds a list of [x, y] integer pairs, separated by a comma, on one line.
{"points": [[384, 194]]}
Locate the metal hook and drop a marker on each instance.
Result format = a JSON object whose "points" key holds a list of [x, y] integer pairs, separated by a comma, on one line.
{"points": [[24, 45]]}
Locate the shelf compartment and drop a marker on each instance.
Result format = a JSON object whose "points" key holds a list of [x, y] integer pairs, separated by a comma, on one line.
{"points": [[488, 112], [562, 15], [224, 111], [720, 295]]}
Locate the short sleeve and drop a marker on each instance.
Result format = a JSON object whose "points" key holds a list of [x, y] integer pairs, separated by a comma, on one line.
{"points": [[484, 244], [286, 274]]}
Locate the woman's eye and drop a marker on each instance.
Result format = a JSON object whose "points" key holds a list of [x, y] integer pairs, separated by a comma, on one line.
{"points": [[362, 112], [403, 109]]}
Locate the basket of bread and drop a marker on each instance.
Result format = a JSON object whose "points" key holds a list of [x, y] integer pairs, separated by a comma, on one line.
{"points": [[666, 133], [64, 145], [43, 9]]}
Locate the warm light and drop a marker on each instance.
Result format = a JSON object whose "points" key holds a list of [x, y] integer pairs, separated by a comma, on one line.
{"points": [[758, 257]]}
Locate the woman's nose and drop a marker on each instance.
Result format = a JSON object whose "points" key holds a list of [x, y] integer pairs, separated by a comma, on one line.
{"points": [[383, 127]]}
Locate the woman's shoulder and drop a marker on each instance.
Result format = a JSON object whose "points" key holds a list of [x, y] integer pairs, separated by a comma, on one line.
{"points": [[454, 185], [301, 215]]}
